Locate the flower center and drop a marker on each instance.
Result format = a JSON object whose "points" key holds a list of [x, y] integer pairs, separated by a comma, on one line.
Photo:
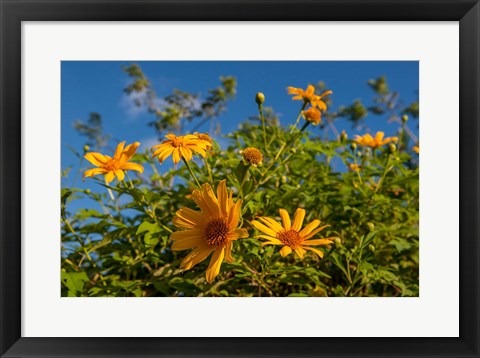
{"points": [[290, 238], [111, 164], [216, 232], [253, 156], [177, 142]]}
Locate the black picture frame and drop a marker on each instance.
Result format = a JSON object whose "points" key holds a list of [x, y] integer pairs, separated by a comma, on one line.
{"points": [[13, 12]]}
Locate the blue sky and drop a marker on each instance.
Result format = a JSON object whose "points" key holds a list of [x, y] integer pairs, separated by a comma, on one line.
{"points": [[97, 86]]}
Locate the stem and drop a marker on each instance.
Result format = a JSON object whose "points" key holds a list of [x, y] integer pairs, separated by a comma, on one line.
{"points": [[385, 171], [87, 254], [291, 141], [208, 170], [298, 118], [109, 190], [130, 180], [260, 109], [247, 175], [333, 128], [356, 164], [267, 170], [191, 172]]}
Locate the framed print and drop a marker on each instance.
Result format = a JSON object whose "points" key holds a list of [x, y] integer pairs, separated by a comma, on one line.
{"points": [[181, 178]]}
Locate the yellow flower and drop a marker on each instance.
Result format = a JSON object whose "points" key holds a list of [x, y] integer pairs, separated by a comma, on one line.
{"points": [[369, 141], [253, 156], [206, 137], [313, 115], [180, 147], [309, 96], [292, 236], [212, 229], [416, 149], [113, 167], [354, 167]]}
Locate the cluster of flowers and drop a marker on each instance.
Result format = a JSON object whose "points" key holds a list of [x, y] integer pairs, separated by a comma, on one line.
{"points": [[213, 229]]}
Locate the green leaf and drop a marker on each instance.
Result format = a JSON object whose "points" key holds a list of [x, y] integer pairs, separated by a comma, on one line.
{"points": [[74, 281], [149, 230], [240, 171]]}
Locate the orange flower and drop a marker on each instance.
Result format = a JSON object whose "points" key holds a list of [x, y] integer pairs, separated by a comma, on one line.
{"points": [[180, 147], [369, 141], [313, 115], [416, 149], [113, 167], [253, 156], [309, 96], [291, 235], [205, 136], [212, 229], [354, 167]]}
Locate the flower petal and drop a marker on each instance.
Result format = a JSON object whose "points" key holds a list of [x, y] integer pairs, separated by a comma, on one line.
{"points": [[309, 91], [271, 223], [186, 153], [196, 256], [164, 154], [285, 251], [293, 90], [379, 137], [109, 176], [187, 243], [300, 252], [119, 150], [120, 174], [132, 166], [185, 234], [260, 227], [317, 242], [215, 262], [222, 196], [189, 217], [129, 151], [91, 172], [308, 229], [314, 232], [176, 155], [287, 224], [238, 234], [95, 158], [234, 215], [198, 149], [298, 219], [228, 252], [318, 252]]}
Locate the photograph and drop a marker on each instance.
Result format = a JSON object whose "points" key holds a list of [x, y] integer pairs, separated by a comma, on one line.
{"points": [[240, 179]]}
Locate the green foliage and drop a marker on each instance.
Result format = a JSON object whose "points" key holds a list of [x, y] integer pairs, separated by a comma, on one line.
{"points": [[121, 247]]}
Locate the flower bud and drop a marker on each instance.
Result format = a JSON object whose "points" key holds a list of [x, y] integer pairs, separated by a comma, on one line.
{"points": [[404, 118], [343, 137], [371, 226], [353, 146], [371, 248], [313, 115], [338, 241], [86, 148], [252, 156], [259, 98], [392, 148]]}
